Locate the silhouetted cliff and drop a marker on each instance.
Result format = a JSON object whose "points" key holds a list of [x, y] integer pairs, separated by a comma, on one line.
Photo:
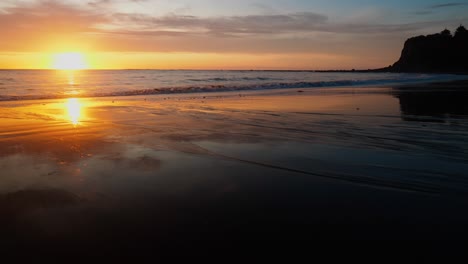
{"points": [[437, 53]]}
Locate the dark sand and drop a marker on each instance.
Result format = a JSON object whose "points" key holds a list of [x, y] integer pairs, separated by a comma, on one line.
{"points": [[351, 163]]}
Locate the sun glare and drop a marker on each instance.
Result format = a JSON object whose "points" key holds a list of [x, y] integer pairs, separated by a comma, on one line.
{"points": [[69, 61], [73, 107]]}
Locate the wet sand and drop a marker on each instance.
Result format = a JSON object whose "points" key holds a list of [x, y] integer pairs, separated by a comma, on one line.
{"points": [[350, 163]]}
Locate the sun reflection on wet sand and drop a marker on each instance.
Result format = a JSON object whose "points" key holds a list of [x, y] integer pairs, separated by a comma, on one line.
{"points": [[86, 162], [74, 110]]}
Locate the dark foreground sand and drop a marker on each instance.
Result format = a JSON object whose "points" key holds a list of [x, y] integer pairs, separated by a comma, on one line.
{"points": [[351, 163]]}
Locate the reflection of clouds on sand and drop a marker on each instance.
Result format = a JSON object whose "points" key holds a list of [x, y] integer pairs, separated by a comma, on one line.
{"points": [[131, 138], [160, 166], [68, 169], [363, 120], [20, 172]]}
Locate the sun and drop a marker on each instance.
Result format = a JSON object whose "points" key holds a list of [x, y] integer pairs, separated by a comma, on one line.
{"points": [[69, 61]]}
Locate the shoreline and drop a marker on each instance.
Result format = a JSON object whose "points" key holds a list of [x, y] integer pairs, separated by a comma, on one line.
{"points": [[247, 90], [326, 164]]}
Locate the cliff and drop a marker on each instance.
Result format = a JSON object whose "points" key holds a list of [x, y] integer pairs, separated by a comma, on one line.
{"points": [[437, 53]]}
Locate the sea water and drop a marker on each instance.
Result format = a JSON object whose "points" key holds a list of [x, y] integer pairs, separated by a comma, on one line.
{"points": [[49, 84]]}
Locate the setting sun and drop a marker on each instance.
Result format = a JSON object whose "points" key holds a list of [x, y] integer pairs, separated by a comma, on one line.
{"points": [[69, 61]]}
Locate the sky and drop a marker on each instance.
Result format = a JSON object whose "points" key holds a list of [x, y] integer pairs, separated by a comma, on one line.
{"points": [[219, 34]]}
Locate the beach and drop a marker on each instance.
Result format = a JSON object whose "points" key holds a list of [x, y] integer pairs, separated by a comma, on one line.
{"points": [[370, 162]]}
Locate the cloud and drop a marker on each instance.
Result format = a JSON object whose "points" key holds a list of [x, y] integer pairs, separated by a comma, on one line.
{"points": [[252, 25], [99, 3], [266, 9], [422, 13], [228, 25], [29, 23], [49, 16], [429, 10], [447, 5], [51, 25], [54, 17]]}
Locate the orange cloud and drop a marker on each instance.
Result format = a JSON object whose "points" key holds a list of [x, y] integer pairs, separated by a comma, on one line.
{"points": [[35, 27], [48, 26]]}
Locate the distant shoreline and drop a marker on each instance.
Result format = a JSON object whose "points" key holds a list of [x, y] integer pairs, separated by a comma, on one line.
{"points": [[386, 70]]}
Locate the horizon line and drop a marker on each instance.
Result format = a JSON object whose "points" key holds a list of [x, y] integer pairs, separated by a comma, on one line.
{"points": [[182, 69]]}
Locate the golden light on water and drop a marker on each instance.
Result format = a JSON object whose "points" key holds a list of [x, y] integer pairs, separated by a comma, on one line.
{"points": [[74, 110], [71, 78], [69, 61]]}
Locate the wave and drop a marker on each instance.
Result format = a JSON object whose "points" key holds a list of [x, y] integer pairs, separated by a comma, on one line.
{"points": [[234, 79], [208, 88]]}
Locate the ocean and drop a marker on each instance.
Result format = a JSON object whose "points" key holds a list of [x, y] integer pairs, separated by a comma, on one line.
{"points": [[51, 84]]}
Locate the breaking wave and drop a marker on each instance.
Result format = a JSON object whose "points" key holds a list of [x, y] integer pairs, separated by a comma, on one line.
{"points": [[229, 84]]}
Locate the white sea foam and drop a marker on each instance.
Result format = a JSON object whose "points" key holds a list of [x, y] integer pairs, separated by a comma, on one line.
{"points": [[27, 84]]}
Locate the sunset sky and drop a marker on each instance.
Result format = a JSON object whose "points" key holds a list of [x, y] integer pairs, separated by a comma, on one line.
{"points": [[218, 34]]}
